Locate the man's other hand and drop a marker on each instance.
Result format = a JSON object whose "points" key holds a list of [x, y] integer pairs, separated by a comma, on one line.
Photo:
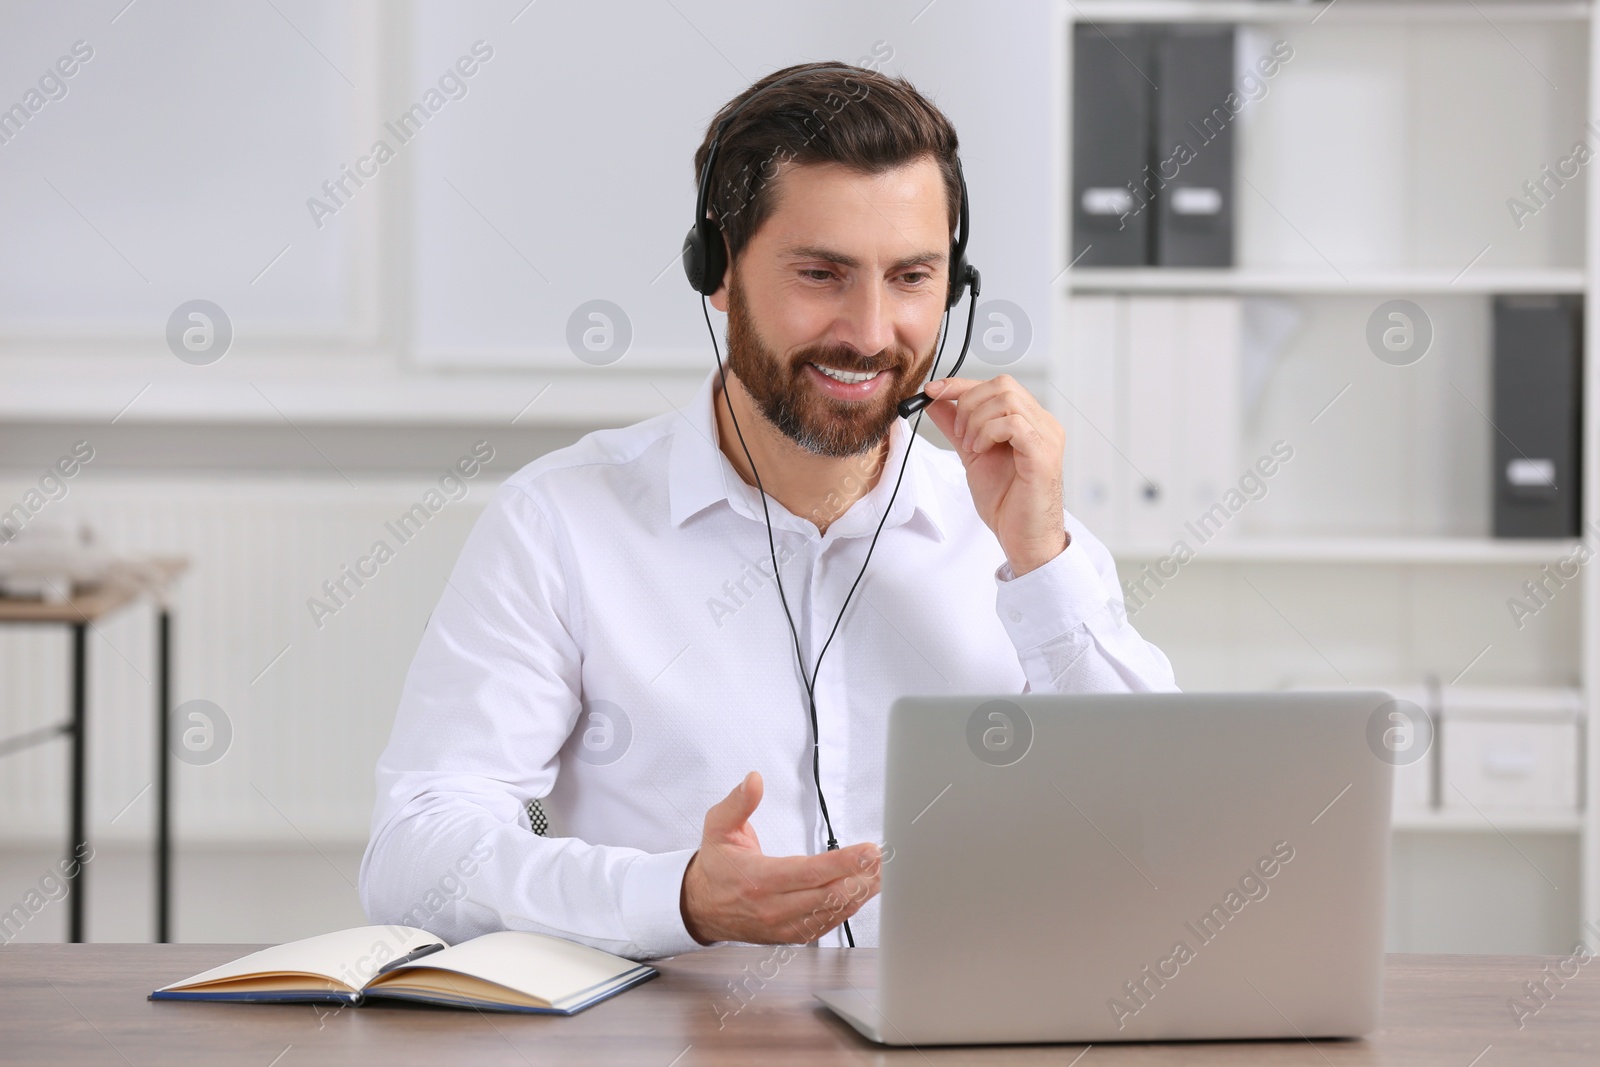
{"points": [[732, 892]]}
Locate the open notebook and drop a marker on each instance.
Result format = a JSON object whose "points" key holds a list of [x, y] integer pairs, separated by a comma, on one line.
{"points": [[511, 970]]}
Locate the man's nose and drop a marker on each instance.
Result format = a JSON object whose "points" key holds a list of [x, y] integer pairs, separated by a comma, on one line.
{"points": [[867, 322]]}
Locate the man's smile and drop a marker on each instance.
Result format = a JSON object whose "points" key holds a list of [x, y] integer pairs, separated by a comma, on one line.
{"points": [[847, 385]]}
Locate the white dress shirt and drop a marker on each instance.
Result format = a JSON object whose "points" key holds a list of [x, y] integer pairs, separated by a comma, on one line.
{"points": [[611, 642]]}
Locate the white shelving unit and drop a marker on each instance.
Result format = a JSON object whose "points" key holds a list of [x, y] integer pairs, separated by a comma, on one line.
{"points": [[1466, 822], [1375, 559], [1291, 12], [1441, 550], [1414, 283]]}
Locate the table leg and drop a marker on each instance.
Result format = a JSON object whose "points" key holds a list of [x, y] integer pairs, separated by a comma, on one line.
{"points": [[77, 885], [163, 776]]}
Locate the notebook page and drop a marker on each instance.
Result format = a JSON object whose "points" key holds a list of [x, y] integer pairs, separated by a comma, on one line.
{"points": [[540, 966], [349, 956]]}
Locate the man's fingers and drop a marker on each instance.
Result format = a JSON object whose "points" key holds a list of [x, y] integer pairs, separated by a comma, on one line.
{"points": [[792, 874], [729, 814], [944, 417], [945, 412], [1014, 430], [950, 388], [814, 912], [978, 410]]}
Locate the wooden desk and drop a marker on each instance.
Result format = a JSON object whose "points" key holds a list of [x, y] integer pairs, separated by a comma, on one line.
{"points": [[125, 582], [81, 1004]]}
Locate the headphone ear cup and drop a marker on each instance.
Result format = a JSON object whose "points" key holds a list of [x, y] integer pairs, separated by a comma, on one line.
{"points": [[714, 259], [959, 275], [694, 259], [705, 259]]}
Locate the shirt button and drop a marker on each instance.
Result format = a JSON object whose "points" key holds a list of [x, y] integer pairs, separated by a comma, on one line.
{"points": [[1015, 615]]}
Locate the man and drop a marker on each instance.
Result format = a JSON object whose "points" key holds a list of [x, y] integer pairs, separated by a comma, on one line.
{"points": [[612, 642]]}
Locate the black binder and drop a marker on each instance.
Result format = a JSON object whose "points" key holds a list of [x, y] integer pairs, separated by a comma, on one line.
{"points": [[1194, 202], [1112, 86], [1538, 379]]}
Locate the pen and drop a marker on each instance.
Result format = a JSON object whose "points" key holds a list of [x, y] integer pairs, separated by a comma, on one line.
{"points": [[415, 954]]}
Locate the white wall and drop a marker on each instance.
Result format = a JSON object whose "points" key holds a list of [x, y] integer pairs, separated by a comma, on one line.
{"points": [[178, 164], [183, 159]]}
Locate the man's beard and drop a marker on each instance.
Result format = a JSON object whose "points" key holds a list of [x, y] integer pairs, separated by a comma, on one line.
{"points": [[818, 423]]}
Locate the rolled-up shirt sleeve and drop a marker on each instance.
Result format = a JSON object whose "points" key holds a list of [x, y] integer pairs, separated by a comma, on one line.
{"points": [[491, 697], [1070, 627]]}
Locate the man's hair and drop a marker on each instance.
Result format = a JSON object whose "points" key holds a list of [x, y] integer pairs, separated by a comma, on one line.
{"points": [[830, 113]]}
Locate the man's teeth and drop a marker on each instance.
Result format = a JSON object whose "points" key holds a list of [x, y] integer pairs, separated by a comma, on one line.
{"points": [[848, 377]]}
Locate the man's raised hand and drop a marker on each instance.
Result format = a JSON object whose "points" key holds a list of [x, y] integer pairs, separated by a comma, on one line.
{"points": [[1012, 449], [733, 892]]}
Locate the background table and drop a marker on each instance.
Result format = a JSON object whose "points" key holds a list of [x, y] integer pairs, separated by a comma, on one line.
{"points": [[125, 582], [82, 1004]]}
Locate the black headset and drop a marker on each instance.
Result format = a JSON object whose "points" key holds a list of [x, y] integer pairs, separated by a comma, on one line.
{"points": [[705, 261]]}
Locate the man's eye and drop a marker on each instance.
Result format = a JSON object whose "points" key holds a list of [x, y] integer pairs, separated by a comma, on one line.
{"points": [[916, 277], [817, 275]]}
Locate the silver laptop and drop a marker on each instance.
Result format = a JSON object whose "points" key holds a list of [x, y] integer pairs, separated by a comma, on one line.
{"points": [[1134, 867]]}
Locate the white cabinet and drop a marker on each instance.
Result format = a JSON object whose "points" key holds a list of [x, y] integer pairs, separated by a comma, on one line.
{"points": [[1385, 160], [1508, 764], [1511, 751], [1493, 754]]}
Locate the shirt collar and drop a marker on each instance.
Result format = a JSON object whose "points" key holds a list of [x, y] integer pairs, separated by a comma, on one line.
{"points": [[699, 476]]}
